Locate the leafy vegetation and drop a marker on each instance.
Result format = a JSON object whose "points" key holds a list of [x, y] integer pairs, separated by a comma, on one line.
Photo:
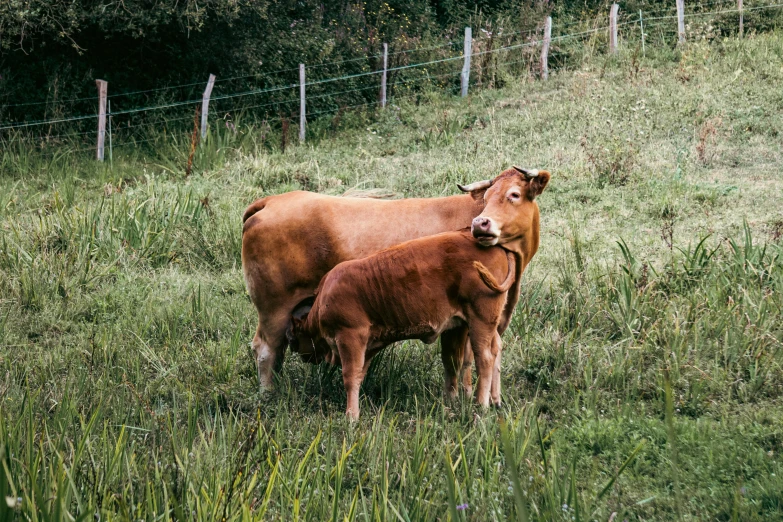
{"points": [[52, 51], [641, 374]]}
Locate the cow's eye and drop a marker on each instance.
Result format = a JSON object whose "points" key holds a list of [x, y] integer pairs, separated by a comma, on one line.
{"points": [[513, 196]]}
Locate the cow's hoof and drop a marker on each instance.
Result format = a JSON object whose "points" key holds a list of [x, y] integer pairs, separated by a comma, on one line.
{"points": [[451, 398]]}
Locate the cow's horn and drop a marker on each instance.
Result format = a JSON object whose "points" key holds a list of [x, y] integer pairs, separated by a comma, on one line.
{"points": [[529, 173], [475, 186]]}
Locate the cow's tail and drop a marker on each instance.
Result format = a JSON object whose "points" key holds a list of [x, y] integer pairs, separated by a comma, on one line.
{"points": [[254, 207], [490, 280]]}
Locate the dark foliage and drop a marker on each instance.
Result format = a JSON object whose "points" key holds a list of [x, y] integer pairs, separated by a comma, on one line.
{"points": [[52, 50]]}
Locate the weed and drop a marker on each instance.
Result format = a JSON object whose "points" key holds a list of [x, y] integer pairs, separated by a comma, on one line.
{"points": [[611, 159], [284, 133], [776, 230], [707, 139], [194, 138]]}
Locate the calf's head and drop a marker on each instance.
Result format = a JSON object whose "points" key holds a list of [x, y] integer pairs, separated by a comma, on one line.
{"points": [[510, 211], [311, 349]]}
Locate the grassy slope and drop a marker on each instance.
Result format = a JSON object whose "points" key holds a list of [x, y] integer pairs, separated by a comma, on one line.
{"points": [[127, 385]]}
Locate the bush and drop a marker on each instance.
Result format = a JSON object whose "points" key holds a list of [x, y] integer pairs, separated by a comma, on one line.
{"points": [[611, 159]]}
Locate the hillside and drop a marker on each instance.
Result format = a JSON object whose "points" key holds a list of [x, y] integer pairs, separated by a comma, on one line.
{"points": [[649, 326]]}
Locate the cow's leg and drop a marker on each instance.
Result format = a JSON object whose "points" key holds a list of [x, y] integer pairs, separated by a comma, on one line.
{"points": [[452, 345], [352, 347], [497, 349], [269, 346], [467, 369], [481, 340]]}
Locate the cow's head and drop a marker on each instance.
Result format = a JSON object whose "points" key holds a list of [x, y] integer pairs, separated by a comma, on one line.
{"points": [[510, 211]]}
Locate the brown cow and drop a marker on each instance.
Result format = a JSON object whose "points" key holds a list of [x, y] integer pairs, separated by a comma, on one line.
{"points": [[442, 285], [290, 241]]}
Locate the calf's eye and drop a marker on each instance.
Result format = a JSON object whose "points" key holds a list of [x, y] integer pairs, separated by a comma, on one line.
{"points": [[513, 196]]}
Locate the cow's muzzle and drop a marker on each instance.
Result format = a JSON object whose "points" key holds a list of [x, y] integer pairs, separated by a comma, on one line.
{"points": [[484, 230]]}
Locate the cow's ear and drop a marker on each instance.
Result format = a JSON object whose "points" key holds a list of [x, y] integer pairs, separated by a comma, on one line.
{"points": [[537, 185], [478, 194], [477, 189]]}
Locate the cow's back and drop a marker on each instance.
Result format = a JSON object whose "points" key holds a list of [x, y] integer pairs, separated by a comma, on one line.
{"points": [[291, 240]]}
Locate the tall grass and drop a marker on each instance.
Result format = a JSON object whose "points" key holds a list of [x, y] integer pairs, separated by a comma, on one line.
{"points": [[642, 370]]}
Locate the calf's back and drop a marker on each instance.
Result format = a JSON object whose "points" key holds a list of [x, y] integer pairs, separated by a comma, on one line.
{"points": [[411, 291]]}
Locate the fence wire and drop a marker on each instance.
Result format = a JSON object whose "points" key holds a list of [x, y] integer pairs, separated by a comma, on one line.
{"points": [[318, 89]]}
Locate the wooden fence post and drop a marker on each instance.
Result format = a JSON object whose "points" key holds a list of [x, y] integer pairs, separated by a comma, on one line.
{"points": [[102, 95], [641, 28], [205, 105], [545, 48], [111, 152], [467, 51], [742, 18], [383, 78], [302, 116], [681, 21], [613, 28]]}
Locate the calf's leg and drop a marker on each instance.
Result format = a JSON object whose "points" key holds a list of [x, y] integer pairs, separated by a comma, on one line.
{"points": [[452, 345], [352, 347], [497, 349], [481, 339], [467, 369]]}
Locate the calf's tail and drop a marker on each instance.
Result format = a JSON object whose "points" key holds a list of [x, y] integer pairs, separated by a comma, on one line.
{"points": [[490, 280], [254, 207]]}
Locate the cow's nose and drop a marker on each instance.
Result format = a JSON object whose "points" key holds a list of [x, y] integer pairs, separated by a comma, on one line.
{"points": [[482, 223]]}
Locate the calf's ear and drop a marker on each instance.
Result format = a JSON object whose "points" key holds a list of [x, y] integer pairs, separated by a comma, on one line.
{"points": [[537, 184], [291, 338], [297, 324], [293, 331]]}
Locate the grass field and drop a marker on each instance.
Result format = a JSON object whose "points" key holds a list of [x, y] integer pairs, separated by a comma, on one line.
{"points": [[642, 372]]}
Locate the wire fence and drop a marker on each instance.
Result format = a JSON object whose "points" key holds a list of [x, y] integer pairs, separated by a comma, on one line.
{"points": [[493, 57]]}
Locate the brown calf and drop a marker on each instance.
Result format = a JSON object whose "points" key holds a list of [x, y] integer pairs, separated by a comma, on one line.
{"points": [[418, 290]]}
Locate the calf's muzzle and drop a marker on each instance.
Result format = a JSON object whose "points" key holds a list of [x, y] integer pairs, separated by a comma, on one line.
{"points": [[483, 230]]}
